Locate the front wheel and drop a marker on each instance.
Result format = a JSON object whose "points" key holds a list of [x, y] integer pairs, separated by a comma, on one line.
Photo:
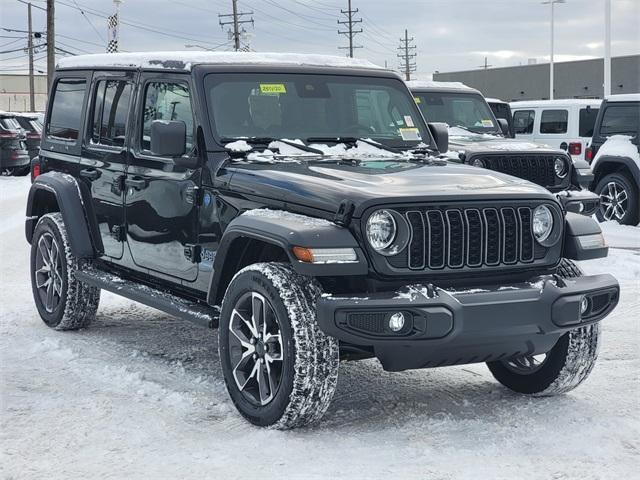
{"points": [[280, 369], [561, 369], [618, 199]]}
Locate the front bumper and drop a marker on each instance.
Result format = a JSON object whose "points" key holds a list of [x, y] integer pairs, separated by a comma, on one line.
{"points": [[446, 327]]}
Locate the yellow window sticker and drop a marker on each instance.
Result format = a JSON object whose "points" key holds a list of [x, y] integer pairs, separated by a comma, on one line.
{"points": [[416, 99], [272, 88], [409, 134], [487, 123]]}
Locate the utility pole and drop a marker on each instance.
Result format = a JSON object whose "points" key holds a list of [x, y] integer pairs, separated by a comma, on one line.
{"points": [[486, 64], [350, 32], [32, 97], [236, 21], [607, 47], [407, 65], [51, 41]]}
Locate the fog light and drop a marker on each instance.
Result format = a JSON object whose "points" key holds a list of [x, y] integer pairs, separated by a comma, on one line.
{"points": [[584, 305], [396, 322]]}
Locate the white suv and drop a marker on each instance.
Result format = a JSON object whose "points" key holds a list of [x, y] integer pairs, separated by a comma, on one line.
{"points": [[566, 124]]}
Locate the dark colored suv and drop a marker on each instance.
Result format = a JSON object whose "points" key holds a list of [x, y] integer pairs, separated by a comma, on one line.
{"points": [[615, 159], [33, 130], [14, 159], [477, 138], [298, 204]]}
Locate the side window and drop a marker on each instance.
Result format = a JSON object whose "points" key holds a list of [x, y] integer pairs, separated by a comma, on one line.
{"points": [[110, 110], [523, 121], [166, 101], [554, 121], [66, 111], [587, 121]]}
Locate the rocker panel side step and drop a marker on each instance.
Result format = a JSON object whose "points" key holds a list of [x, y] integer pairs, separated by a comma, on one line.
{"points": [[165, 302]]}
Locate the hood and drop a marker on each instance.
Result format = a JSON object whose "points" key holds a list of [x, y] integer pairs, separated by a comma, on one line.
{"points": [[325, 185], [470, 143]]}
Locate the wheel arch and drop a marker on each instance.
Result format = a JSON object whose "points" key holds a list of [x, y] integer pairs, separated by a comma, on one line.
{"points": [[57, 192], [608, 164]]}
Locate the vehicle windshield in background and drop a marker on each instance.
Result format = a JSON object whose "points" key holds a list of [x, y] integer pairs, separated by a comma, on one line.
{"points": [[465, 110], [314, 108]]}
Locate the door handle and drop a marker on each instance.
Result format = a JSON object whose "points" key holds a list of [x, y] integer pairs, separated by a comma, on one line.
{"points": [[137, 183], [90, 173]]}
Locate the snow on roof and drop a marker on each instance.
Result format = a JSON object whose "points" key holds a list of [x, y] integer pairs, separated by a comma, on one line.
{"points": [[594, 102], [495, 100], [430, 84], [624, 97], [183, 60]]}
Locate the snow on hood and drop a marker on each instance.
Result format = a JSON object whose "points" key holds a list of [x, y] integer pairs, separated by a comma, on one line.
{"points": [[618, 146], [238, 146], [184, 60]]}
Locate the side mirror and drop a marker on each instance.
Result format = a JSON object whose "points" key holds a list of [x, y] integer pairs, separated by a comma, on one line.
{"points": [[504, 126], [168, 138], [440, 133]]}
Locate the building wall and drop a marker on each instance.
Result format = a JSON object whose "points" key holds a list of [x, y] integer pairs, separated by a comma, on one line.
{"points": [[579, 79], [14, 93]]}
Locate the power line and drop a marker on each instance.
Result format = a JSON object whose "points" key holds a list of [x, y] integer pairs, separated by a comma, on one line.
{"points": [[84, 15], [406, 56], [350, 32]]}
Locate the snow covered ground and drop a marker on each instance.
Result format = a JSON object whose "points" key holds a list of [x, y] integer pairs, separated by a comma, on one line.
{"points": [[140, 395]]}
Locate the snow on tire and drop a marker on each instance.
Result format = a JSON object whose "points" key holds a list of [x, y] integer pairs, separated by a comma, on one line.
{"points": [[563, 368], [63, 302], [307, 360]]}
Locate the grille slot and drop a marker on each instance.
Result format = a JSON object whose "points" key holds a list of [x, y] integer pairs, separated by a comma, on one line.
{"points": [[535, 168], [470, 237]]}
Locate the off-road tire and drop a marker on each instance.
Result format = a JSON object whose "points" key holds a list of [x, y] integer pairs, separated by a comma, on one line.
{"points": [[78, 302], [568, 363], [309, 372], [632, 214]]}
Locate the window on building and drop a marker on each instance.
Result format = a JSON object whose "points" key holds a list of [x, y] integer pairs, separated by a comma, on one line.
{"points": [[66, 111], [554, 121], [523, 121], [110, 110]]}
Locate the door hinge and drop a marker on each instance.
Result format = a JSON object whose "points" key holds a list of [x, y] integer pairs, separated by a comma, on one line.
{"points": [[344, 213], [195, 196], [193, 253], [118, 232]]}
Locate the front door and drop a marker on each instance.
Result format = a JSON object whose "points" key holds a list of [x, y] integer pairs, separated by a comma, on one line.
{"points": [[104, 155], [161, 206]]}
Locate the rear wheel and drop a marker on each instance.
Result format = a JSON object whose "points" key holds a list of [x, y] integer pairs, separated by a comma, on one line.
{"points": [[561, 369], [280, 369], [618, 199]]}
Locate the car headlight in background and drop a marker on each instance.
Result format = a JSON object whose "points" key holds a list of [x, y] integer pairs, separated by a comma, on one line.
{"points": [[561, 167], [381, 230], [542, 223], [478, 162]]}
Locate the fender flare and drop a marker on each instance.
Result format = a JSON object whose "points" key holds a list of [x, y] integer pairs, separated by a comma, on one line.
{"points": [[286, 230], [74, 203], [631, 165]]}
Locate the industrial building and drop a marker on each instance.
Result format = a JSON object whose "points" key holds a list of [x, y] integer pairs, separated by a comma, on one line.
{"points": [[577, 79], [14, 93]]}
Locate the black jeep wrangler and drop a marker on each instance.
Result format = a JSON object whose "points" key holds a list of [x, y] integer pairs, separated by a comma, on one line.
{"points": [[477, 138], [297, 203]]}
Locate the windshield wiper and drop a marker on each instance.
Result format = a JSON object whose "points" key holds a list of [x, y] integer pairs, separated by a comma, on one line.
{"points": [[267, 140], [352, 141]]}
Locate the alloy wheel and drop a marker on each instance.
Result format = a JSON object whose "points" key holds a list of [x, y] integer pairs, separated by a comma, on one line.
{"points": [[614, 201], [255, 348], [526, 364], [48, 272]]}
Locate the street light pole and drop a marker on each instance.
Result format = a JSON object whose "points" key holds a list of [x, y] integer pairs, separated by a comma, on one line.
{"points": [[607, 47], [552, 3]]}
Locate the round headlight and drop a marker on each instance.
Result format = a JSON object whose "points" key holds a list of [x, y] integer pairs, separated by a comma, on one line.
{"points": [[478, 162], [542, 223], [560, 167], [381, 229]]}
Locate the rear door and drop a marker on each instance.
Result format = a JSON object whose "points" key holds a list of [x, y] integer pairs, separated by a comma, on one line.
{"points": [[104, 154], [161, 197], [554, 128]]}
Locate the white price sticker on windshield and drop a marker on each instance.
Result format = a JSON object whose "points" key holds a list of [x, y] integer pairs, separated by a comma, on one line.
{"points": [[409, 134], [409, 121]]}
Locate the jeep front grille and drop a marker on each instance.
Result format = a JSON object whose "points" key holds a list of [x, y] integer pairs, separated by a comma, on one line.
{"points": [[535, 168], [469, 237]]}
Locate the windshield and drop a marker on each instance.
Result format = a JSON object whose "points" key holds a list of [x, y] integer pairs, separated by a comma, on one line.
{"points": [[467, 110], [313, 108]]}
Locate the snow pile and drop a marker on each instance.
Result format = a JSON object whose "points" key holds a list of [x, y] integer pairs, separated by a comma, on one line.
{"points": [[621, 236], [238, 146]]}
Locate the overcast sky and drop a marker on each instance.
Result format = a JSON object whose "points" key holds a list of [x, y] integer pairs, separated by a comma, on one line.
{"points": [[449, 34]]}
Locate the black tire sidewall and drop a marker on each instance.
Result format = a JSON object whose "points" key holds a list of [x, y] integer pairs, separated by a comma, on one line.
{"points": [[631, 215], [255, 281], [45, 225]]}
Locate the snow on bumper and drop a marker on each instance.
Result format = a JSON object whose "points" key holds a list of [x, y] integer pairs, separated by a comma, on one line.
{"points": [[447, 327]]}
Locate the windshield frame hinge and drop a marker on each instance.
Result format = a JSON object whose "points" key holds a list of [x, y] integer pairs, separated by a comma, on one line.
{"points": [[344, 214]]}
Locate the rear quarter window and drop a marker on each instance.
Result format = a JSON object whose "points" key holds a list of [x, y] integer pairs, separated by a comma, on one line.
{"points": [[66, 110], [587, 121], [620, 120], [554, 121]]}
